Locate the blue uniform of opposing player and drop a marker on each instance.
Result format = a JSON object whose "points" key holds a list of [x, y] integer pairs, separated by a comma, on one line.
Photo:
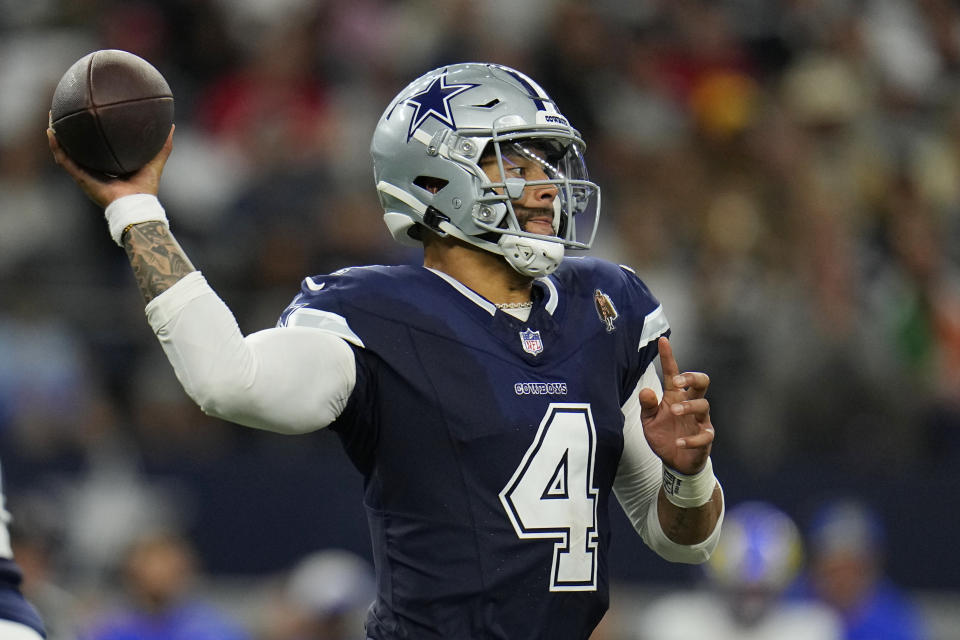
{"points": [[493, 398], [18, 619]]}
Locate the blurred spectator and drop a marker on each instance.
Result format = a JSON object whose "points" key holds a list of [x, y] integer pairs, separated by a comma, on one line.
{"points": [[159, 572], [916, 293], [759, 554], [846, 541], [39, 361], [325, 598]]}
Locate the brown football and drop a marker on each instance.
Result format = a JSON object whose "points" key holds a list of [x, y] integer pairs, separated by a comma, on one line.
{"points": [[112, 111]]}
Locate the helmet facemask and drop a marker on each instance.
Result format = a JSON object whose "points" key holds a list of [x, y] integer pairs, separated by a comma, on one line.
{"points": [[512, 165]]}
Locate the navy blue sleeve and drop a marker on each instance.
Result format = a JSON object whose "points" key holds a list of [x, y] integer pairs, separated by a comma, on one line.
{"points": [[645, 323]]}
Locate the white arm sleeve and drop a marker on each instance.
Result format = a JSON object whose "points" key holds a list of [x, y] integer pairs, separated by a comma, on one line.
{"points": [[287, 380], [638, 481]]}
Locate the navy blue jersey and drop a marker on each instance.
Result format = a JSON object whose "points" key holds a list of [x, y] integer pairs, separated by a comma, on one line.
{"points": [[488, 445]]}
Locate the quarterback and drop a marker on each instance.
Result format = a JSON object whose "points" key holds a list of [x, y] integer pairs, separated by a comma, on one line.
{"points": [[494, 398]]}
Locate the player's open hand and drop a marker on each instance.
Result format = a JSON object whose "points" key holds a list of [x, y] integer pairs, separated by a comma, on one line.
{"points": [[678, 428], [104, 190]]}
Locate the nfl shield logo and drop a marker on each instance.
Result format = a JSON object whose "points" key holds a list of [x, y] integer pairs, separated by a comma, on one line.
{"points": [[531, 341]]}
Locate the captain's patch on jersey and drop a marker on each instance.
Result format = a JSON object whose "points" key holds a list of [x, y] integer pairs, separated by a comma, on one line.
{"points": [[605, 309], [531, 341]]}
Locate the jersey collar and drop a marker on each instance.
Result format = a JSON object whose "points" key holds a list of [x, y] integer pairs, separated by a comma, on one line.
{"points": [[552, 296]]}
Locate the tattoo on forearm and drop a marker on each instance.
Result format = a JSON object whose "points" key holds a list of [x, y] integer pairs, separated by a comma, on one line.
{"points": [[690, 526], [677, 529], [158, 261]]}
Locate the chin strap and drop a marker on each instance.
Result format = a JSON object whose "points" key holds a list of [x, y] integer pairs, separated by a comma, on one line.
{"points": [[529, 256]]}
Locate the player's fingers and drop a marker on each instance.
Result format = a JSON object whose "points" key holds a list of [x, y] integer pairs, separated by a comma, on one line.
{"points": [[697, 407], [695, 382], [157, 163], [61, 158], [168, 144], [667, 363], [649, 405], [58, 153], [697, 440]]}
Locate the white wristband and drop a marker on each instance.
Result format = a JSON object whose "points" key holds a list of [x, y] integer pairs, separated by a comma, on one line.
{"points": [[686, 491], [133, 209]]}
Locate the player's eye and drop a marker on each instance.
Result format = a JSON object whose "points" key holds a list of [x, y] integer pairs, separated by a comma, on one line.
{"points": [[514, 168]]}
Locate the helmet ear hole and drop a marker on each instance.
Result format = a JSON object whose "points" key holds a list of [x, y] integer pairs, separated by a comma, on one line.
{"points": [[431, 184]]}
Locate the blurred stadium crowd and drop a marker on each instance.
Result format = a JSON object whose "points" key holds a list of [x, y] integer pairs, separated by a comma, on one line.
{"points": [[785, 175]]}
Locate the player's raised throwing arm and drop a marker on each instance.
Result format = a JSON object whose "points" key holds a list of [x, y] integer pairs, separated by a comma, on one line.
{"points": [[255, 380], [158, 261]]}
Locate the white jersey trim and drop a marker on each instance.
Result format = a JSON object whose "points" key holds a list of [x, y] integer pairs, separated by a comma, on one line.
{"points": [[325, 321], [654, 325], [553, 297], [479, 300]]}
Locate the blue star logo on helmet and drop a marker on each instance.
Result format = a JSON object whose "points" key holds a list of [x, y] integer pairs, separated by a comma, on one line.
{"points": [[434, 101]]}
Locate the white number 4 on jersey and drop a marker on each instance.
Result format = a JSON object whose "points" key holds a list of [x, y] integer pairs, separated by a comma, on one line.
{"points": [[551, 495]]}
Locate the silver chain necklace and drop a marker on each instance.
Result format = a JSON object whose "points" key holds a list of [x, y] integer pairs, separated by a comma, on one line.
{"points": [[515, 305]]}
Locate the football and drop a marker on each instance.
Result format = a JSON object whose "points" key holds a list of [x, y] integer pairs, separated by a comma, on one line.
{"points": [[111, 112]]}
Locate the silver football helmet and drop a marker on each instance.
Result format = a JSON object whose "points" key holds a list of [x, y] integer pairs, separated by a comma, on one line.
{"points": [[427, 150]]}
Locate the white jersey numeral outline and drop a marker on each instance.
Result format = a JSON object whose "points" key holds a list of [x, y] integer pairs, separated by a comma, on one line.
{"points": [[552, 496]]}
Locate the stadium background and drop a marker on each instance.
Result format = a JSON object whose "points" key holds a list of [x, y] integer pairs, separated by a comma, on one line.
{"points": [[784, 175]]}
